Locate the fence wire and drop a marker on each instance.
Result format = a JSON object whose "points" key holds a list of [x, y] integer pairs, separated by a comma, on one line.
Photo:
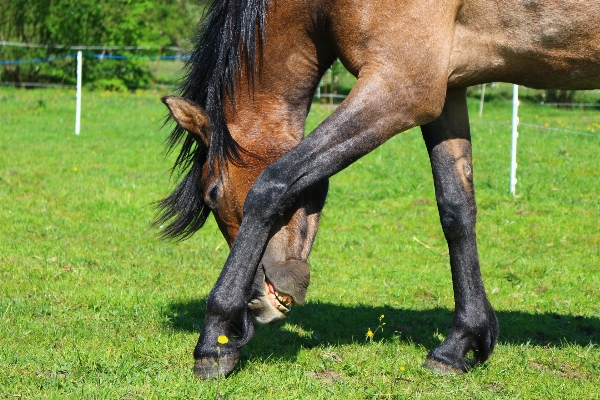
{"points": [[103, 55]]}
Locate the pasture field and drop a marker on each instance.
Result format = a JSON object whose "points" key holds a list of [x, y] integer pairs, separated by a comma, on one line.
{"points": [[92, 305]]}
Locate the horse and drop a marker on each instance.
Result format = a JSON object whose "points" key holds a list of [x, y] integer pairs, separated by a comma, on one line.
{"points": [[240, 114]]}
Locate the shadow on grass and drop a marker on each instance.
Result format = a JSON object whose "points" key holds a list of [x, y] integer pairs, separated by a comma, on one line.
{"points": [[317, 324]]}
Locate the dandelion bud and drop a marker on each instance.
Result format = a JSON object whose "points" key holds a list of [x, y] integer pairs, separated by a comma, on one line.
{"points": [[223, 339]]}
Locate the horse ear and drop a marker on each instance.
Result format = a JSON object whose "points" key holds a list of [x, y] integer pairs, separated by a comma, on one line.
{"points": [[191, 117]]}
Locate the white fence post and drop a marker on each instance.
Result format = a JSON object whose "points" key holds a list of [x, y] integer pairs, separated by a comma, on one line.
{"points": [[78, 101], [481, 100], [515, 135]]}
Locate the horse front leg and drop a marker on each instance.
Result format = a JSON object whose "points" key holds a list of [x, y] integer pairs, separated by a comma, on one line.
{"points": [[475, 326], [237, 293], [227, 323]]}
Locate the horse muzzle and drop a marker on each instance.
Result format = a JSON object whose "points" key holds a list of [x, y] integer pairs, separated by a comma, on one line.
{"points": [[277, 286]]}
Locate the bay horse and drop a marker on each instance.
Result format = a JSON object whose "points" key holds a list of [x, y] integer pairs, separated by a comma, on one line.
{"points": [[240, 116]]}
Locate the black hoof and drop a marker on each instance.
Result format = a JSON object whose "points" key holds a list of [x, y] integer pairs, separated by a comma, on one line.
{"points": [[210, 367], [441, 367], [449, 356]]}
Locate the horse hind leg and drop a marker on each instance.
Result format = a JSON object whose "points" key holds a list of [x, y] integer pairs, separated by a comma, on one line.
{"points": [[475, 327]]}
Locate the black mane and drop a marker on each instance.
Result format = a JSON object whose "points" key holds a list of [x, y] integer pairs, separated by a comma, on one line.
{"points": [[229, 40]]}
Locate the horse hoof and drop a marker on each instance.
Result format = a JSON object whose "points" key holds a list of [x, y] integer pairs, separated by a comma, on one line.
{"points": [[210, 367], [441, 367]]}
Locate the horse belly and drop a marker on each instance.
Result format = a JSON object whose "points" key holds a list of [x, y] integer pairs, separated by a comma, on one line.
{"points": [[540, 44]]}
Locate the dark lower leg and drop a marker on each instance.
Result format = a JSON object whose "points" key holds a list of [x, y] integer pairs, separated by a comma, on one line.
{"points": [[475, 326]]}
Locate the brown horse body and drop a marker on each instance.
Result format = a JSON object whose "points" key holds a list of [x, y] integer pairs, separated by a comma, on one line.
{"points": [[414, 61]]}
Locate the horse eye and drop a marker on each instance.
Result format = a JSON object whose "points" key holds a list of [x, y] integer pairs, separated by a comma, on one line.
{"points": [[213, 194]]}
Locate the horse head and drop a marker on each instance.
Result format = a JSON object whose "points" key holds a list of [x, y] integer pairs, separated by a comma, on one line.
{"points": [[283, 275]]}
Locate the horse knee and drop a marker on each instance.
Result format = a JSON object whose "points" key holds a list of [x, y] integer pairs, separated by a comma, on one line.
{"points": [[454, 190], [265, 199]]}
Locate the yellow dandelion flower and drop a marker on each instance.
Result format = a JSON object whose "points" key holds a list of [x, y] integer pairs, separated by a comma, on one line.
{"points": [[382, 316], [223, 339], [370, 334], [402, 368]]}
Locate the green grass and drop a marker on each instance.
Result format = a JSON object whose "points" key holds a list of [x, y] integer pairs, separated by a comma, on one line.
{"points": [[92, 305]]}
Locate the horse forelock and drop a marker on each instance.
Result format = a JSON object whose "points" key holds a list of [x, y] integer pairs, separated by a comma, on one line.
{"points": [[228, 45]]}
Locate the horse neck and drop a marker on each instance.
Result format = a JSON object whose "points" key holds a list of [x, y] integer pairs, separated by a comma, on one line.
{"points": [[271, 109], [265, 123]]}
